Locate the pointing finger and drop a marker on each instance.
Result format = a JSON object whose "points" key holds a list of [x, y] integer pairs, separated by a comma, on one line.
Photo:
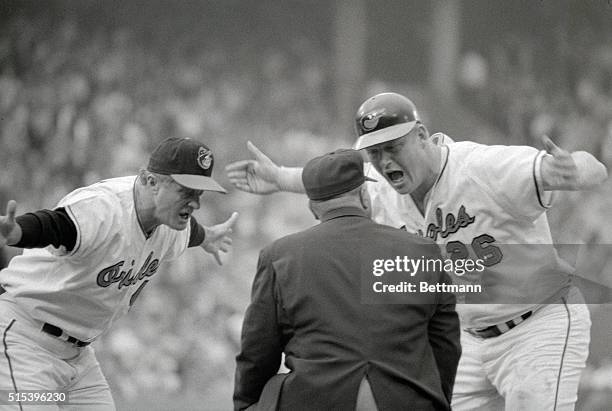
{"points": [[257, 153], [550, 146]]}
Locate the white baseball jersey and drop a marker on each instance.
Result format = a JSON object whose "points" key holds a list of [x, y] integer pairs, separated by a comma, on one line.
{"points": [[85, 290], [488, 204]]}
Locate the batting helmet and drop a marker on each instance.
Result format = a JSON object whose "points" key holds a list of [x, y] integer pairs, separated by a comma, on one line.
{"points": [[384, 117]]}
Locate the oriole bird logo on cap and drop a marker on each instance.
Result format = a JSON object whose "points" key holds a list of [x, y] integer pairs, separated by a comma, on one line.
{"points": [[204, 158]]}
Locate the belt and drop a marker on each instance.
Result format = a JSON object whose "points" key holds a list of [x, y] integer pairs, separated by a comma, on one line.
{"points": [[59, 333], [499, 329]]}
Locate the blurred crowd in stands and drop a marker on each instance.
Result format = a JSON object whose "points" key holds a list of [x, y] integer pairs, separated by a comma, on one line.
{"points": [[79, 104], [568, 98]]}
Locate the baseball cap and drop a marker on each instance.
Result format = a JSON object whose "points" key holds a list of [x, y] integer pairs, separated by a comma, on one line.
{"points": [[333, 174], [384, 117], [188, 162]]}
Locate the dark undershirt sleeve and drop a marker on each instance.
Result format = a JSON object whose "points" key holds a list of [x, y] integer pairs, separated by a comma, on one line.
{"points": [[47, 227], [197, 233], [54, 227]]}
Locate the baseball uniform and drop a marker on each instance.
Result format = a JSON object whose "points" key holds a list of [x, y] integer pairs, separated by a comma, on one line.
{"points": [[80, 292], [524, 342]]}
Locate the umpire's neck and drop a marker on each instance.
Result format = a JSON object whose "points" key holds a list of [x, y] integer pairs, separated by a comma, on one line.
{"points": [[357, 198]]}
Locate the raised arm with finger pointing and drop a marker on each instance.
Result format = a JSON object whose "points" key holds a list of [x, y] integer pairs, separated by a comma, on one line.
{"points": [[562, 170], [263, 176]]}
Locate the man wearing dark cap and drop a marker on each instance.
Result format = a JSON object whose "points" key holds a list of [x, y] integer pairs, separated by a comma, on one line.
{"points": [[85, 263], [311, 300], [525, 338]]}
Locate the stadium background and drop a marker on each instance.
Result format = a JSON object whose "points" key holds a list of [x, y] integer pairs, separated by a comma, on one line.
{"points": [[87, 88]]}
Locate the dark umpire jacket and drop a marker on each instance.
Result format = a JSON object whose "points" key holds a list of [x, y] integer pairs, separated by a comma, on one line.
{"points": [[307, 302]]}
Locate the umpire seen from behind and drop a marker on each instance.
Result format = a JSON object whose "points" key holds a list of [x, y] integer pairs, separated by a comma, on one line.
{"points": [[308, 303]]}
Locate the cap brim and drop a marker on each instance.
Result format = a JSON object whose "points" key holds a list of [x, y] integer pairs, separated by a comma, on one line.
{"points": [[198, 182], [384, 135]]}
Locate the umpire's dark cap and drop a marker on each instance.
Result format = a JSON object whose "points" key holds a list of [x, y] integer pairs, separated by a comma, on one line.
{"points": [[189, 162], [332, 174]]}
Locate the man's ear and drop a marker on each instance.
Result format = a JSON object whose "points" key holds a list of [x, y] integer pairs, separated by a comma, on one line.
{"points": [[142, 176], [364, 198], [422, 132], [153, 182]]}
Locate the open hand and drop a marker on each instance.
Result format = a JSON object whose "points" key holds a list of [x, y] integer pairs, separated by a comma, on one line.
{"points": [[8, 223], [217, 238]]}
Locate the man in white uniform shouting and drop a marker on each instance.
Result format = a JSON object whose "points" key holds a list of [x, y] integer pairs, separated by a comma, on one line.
{"points": [[86, 261], [525, 336]]}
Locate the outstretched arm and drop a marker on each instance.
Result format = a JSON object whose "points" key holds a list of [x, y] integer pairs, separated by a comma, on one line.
{"points": [[38, 229], [562, 170], [262, 175]]}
